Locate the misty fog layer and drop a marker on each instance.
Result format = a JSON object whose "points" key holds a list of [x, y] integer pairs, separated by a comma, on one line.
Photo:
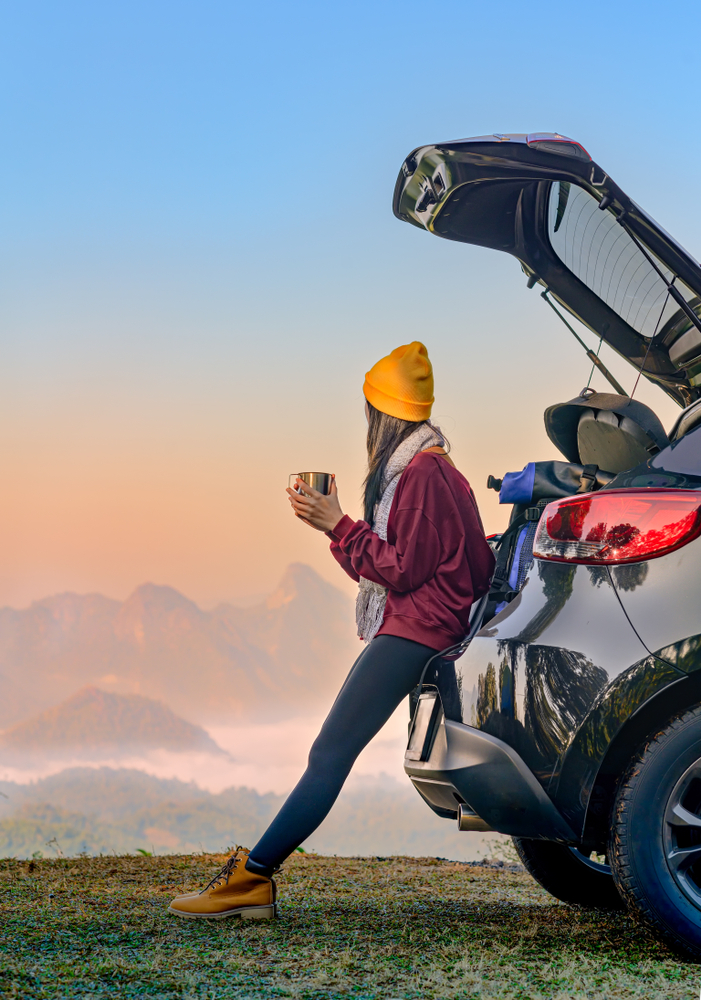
{"points": [[153, 724]]}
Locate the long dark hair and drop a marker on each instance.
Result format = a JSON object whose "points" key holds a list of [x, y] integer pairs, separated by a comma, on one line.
{"points": [[385, 434]]}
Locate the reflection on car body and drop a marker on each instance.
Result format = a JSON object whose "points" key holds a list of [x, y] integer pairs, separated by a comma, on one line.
{"points": [[570, 718]]}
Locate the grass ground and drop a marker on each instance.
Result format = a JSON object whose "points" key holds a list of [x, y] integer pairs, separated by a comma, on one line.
{"points": [[349, 928]]}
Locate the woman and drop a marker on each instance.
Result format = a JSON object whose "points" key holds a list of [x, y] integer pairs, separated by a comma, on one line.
{"points": [[420, 558]]}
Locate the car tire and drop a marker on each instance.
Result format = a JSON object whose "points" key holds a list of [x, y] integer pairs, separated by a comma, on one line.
{"points": [[655, 848], [569, 875]]}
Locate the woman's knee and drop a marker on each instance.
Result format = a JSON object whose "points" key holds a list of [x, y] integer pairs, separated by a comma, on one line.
{"points": [[331, 755]]}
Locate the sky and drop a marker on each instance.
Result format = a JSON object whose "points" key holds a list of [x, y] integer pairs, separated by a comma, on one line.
{"points": [[199, 260]]}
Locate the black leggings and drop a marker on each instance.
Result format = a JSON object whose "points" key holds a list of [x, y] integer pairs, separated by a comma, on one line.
{"points": [[382, 676]]}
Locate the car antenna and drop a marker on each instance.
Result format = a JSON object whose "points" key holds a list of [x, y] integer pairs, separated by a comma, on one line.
{"points": [[594, 358]]}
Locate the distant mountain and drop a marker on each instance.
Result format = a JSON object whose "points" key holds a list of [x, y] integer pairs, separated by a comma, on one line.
{"points": [[277, 658], [98, 724], [105, 810]]}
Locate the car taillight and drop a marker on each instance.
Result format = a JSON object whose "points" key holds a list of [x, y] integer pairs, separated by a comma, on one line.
{"points": [[618, 526]]}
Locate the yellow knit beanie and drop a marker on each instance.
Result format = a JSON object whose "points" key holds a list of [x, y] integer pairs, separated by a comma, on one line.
{"points": [[402, 383]]}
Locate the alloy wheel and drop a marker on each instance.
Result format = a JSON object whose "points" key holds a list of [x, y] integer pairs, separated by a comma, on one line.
{"points": [[682, 833]]}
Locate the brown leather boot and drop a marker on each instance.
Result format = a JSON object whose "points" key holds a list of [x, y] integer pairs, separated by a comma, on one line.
{"points": [[233, 892]]}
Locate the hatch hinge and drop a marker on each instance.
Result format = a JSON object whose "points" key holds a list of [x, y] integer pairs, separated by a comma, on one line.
{"points": [[592, 178]]}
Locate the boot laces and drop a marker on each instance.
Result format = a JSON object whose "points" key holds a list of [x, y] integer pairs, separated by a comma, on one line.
{"points": [[228, 868]]}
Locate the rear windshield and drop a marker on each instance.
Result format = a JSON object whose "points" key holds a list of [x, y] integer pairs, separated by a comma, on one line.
{"points": [[602, 255]]}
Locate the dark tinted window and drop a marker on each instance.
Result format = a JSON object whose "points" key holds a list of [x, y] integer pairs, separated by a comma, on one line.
{"points": [[602, 255]]}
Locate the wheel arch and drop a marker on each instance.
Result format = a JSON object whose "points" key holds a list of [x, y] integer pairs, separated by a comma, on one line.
{"points": [[652, 715]]}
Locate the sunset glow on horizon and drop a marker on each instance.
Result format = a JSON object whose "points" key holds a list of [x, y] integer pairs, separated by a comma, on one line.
{"points": [[200, 263]]}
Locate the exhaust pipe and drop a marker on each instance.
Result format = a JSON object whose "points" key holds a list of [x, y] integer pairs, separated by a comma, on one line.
{"points": [[469, 820]]}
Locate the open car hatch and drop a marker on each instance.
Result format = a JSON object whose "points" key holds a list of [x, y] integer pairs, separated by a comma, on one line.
{"points": [[541, 198]]}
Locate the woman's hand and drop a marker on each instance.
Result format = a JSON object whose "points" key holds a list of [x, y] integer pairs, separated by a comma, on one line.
{"points": [[316, 509]]}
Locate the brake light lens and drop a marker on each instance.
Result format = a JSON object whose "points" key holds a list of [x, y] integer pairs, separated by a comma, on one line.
{"points": [[618, 526], [553, 142]]}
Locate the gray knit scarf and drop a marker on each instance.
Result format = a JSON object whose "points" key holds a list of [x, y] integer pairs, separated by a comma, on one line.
{"points": [[372, 597]]}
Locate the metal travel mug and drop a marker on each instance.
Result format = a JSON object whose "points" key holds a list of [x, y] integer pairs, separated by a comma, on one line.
{"points": [[319, 481]]}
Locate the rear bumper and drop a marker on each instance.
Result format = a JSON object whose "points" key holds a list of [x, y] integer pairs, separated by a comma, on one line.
{"points": [[467, 766]]}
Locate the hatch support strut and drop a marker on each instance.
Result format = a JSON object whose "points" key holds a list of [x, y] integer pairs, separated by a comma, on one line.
{"points": [[594, 358], [671, 287]]}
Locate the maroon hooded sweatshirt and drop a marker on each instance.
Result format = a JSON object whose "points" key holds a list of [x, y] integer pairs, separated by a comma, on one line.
{"points": [[436, 560]]}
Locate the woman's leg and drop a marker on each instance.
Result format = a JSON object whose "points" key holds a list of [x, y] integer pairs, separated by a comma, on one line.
{"points": [[382, 676]]}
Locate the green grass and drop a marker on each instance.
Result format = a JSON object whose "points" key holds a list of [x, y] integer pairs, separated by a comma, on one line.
{"points": [[352, 928]]}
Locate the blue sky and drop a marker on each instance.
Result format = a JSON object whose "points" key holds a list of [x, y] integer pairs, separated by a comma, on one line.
{"points": [[199, 259], [165, 119]]}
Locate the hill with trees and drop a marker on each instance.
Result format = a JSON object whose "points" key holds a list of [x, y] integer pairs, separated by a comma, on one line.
{"points": [[98, 724], [105, 810]]}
